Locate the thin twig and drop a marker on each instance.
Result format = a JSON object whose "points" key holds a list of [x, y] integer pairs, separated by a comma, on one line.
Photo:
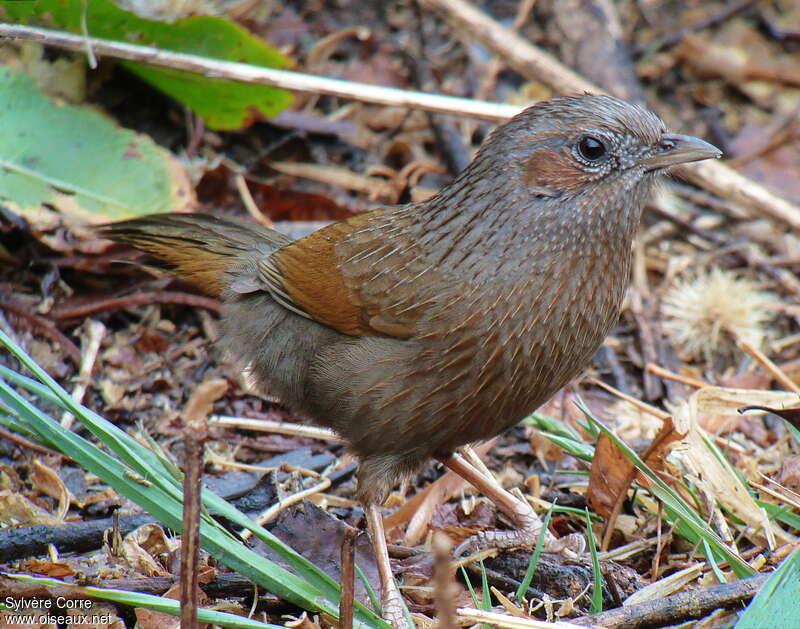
{"points": [[642, 406], [29, 445], [140, 299], [770, 367], [656, 370], [286, 79], [287, 502], [280, 428]]}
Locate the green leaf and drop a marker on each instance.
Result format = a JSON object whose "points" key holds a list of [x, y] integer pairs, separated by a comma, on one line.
{"points": [[782, 513], [561, 434], [221, 103], [75, 160]]}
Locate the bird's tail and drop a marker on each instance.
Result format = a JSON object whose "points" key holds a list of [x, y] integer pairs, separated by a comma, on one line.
{"points": [[199, 248]]}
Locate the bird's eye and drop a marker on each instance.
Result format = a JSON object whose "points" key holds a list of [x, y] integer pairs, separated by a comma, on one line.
{"points": [[591, 148]]}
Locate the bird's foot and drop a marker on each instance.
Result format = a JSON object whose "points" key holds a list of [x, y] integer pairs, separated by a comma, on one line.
{"points": [[525, 536], [528, 523], [392, 609]]}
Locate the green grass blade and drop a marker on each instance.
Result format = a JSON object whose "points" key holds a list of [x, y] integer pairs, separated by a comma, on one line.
{"points": [[471, 589], [534, 560], [373, 597], [596, 605], [487, 597]]}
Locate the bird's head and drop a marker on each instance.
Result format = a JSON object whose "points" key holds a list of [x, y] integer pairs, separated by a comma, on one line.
{"points": [[590, 144]]}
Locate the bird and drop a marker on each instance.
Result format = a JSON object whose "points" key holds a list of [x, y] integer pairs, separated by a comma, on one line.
{"points": [[413, 330]]}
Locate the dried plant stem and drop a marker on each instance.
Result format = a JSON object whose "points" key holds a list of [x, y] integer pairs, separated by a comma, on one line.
{"points": [[670, 375], [642, 406], [195, 433], [286, 79], [508, 622], [287, 502], [249, 202], [780, 495], [347, 577]]}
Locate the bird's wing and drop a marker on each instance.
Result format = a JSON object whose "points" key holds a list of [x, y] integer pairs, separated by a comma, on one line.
{"points": [[361, 276]]}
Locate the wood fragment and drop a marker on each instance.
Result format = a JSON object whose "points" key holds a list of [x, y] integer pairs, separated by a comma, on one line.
{"points": [[677, 608]]}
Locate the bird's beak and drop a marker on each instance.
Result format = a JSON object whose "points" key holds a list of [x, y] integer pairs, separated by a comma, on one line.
{"points": [[674, 148]]}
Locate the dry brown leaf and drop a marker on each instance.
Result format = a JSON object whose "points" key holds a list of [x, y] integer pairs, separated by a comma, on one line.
{"points": [[611, 475], [46, 481], [16, 509], [201, 402], [140, 547], [612, 472]]}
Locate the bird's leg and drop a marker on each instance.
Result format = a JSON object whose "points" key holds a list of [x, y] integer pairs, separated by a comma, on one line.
{"points": [[391, 603], [528, 523]]}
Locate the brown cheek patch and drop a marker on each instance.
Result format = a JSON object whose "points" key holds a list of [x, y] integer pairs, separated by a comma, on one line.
{"points": [[552, 170]]}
